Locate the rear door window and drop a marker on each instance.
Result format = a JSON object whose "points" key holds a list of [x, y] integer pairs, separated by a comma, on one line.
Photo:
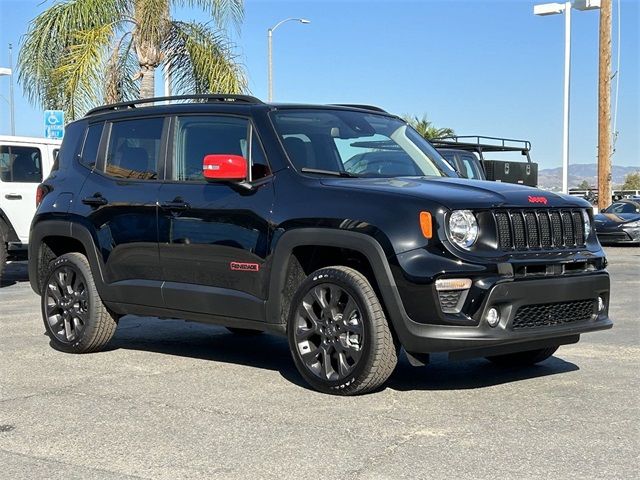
{"points": [[20, 164], [134, 149]]}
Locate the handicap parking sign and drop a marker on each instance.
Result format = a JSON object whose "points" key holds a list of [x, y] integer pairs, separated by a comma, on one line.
{"points": [[54, 124]]}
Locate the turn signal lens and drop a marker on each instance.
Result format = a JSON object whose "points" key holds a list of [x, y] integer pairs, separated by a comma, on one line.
{"points": [[426, 225], [453, 284]]}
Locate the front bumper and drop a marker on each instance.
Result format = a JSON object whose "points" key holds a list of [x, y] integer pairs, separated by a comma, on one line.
{"points": [[619, 236], [508, 296]]}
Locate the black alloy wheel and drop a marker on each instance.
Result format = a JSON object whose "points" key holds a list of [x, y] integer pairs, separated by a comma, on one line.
{"points": [[75, 318], [67, 303], [338, 333], [329, 333]]}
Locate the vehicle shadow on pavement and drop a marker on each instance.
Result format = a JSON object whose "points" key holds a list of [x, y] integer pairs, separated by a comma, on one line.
{"points": [[271, 352], [206, 342], [14, 272], [470, 374]]}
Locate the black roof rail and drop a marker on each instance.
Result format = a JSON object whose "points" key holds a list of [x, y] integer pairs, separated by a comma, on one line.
{"points": [[231, 98], [361, 106]]}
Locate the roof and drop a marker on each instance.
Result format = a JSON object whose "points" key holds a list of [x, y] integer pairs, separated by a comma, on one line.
{"points": [[167, 104], [39, 140]]}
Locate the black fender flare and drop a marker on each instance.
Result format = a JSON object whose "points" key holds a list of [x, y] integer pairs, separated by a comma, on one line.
{"points": [[63, 228], [12, 236], [324, 237]]}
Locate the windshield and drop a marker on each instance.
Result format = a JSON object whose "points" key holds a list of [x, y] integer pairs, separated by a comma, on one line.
{"points": [[622, 207], [356, 144]]}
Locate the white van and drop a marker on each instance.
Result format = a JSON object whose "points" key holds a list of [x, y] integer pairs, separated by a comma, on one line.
{"points": [[24, 163]]}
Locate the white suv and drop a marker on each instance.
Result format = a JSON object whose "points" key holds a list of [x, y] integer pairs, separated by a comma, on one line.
{"points": [[24, 163]]}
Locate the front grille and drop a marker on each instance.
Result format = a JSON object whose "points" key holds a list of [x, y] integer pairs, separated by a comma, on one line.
{"points": [[550, 314], [537, 229]]}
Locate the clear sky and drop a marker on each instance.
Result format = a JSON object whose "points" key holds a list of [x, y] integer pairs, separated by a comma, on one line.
{"points": [[477, 66]]}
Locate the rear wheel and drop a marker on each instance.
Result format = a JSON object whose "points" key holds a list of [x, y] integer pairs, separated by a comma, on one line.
{"points": [[522, 359], [74, 316], [338, 333]]}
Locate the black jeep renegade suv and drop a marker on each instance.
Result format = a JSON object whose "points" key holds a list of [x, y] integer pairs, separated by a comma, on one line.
{"points": [[336, 225]]}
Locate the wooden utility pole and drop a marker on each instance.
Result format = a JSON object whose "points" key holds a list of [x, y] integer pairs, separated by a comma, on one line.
{"points": [[604, 107]]}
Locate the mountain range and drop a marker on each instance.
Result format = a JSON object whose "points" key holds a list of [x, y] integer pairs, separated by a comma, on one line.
{"points": [[551, 178]]}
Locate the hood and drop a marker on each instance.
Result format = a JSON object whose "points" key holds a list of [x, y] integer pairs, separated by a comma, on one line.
{"points": [[611, 219], [459, 193]]}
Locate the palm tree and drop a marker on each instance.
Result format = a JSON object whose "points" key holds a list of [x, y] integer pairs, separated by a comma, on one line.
{"points": [[80, 53], [426, 128]]}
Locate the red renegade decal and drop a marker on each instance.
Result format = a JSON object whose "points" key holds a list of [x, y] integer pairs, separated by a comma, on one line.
{"points": [[244, 267], [538, 200]]}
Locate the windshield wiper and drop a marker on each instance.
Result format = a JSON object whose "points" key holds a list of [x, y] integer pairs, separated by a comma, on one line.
{"points": [[328, 172]]}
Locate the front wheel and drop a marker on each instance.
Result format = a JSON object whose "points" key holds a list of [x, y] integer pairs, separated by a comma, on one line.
{"points": [[74, 316], [338, 333], [523, 359]]}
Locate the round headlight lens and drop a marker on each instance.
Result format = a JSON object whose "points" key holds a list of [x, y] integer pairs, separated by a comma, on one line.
{"points": [[587, 224], [463, 228]]}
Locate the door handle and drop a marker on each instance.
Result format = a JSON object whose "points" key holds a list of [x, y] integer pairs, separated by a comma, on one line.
{"points": [[175, 205], [96, 201], [13, 196]]}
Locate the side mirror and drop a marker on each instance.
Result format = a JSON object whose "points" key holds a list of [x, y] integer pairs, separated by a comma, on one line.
{"points": [[225, 167]]}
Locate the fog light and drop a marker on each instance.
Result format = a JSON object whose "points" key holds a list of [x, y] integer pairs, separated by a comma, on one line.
{"points": [[600, 304], [492, 317]]}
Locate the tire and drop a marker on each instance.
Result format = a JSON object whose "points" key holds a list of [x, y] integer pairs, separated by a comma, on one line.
{"points": [[3, 249], [245, 332], [523, 359], [76, 322], [338, 333]]}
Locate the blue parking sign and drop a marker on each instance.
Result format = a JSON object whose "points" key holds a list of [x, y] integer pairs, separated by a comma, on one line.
{"points": [[54, 124]]}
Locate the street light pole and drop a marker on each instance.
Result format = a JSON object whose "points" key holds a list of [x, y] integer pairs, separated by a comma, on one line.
{"points": [[553, 9], [270, 60], [270, 48], [566, 97], [12, 108]]}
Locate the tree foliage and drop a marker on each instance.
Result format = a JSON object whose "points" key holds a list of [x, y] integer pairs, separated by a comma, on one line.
{"points": [[427, 129], [584, 185], [81, 53], [632, 181]]}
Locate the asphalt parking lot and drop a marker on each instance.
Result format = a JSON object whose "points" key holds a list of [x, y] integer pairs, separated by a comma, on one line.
{"points": [[173, 400]]}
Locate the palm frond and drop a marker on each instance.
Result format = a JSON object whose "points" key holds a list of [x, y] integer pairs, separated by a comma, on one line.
{"points": [[201, 60], [427, 129], [49, 37], [152, 21], [120, 71], [79, 69], [222, 11]]}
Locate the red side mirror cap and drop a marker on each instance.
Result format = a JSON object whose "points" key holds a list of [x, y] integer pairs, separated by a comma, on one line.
{"points": [[224, 167]]}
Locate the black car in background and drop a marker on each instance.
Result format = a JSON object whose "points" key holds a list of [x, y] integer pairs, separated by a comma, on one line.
{"points": [[619, 223]]}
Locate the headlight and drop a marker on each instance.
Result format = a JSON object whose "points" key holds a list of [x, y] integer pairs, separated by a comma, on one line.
{"points": [[587, 224], [635, 224], [463, 228]]}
